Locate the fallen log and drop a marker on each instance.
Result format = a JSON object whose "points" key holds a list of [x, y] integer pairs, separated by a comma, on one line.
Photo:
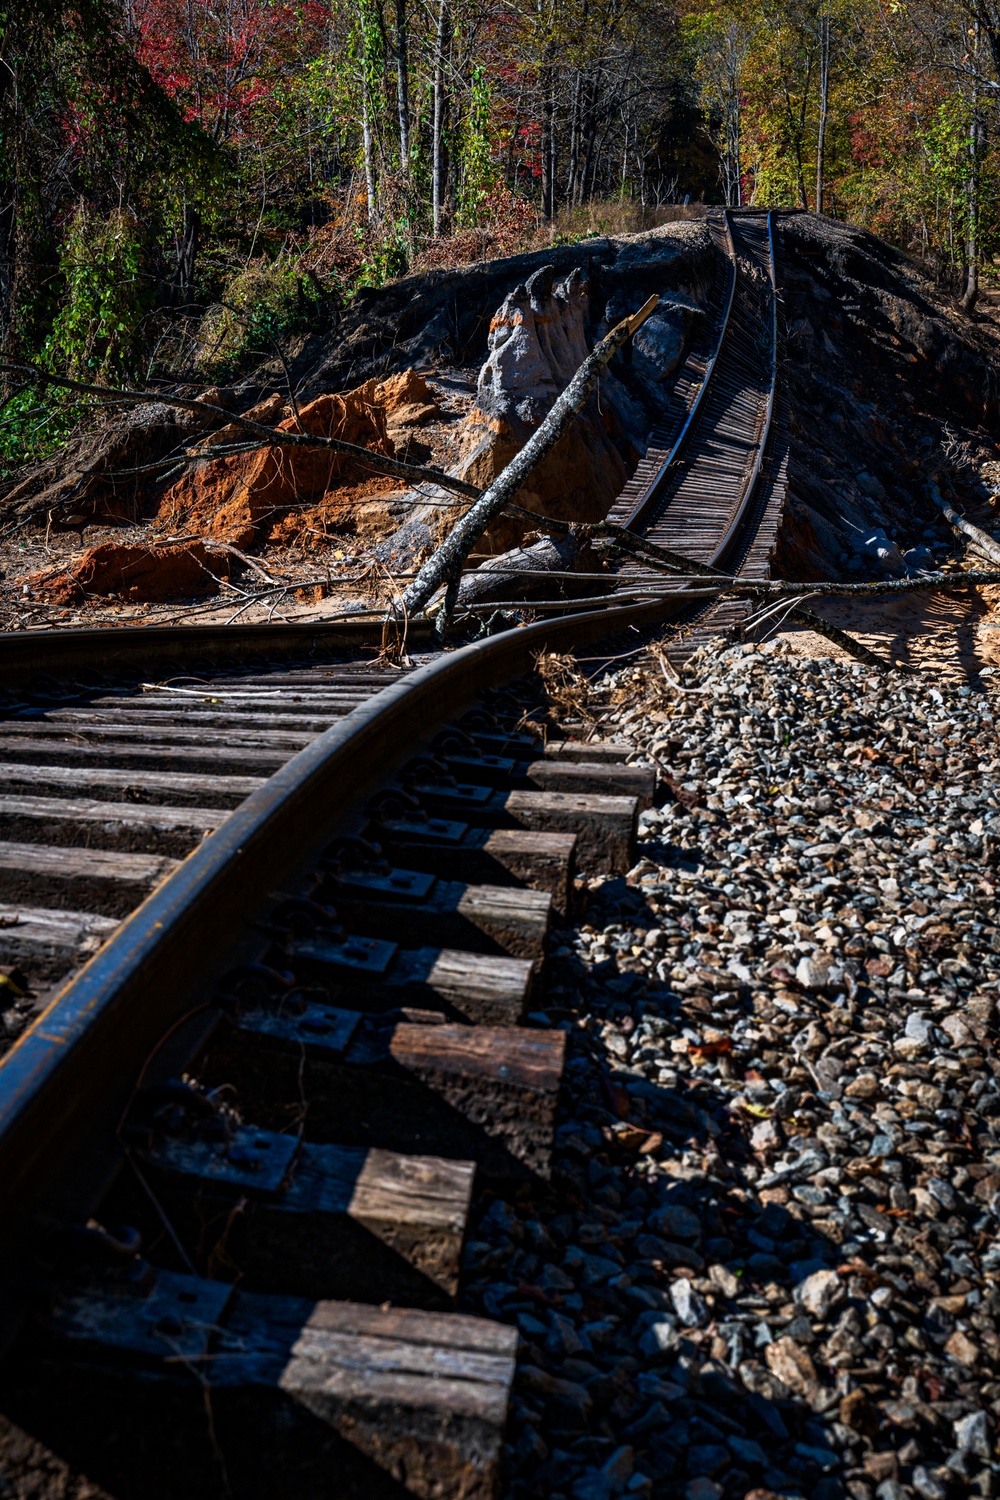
{"points": [[569, 558], [976, 535]]}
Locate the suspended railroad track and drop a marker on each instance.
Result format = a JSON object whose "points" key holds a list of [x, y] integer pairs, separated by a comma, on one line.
{"points": [[272, 914], [713, 487]]}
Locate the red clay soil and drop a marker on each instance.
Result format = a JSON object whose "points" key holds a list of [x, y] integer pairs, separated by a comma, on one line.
{"points": [[243, 498], [154, 574]]}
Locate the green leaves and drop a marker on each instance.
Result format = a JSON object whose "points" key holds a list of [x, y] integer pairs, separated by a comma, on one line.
{"points": [[97, 331]]}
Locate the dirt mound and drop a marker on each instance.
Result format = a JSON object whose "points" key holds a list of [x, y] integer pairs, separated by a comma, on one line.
{"points": [[244, 496], [151, 574], [100, 474], [887, 382]]}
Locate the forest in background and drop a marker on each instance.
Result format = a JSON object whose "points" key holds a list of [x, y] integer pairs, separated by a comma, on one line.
{"points": [[185, 184]]}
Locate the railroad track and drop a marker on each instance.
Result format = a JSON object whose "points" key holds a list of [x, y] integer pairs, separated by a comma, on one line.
{"points": [[272, 915], [238, 1147], [712, 486]]}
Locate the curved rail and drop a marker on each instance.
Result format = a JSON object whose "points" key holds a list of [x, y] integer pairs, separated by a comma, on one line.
{"points": [[739, 513], [145, 1011], [66, 1083], [25, 653], [723, 452], [709, 500]]}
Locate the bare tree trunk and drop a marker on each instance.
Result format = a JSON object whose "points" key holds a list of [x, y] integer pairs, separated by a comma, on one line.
{"points": [[574, 144], [545, 83], [976, 535], [824, 106], [187, 251], [438, 166], [589, 168], [732, 163], [369, 150], [402, 86], [554, 149], [971, 293], [512, 148], [9, 186]]}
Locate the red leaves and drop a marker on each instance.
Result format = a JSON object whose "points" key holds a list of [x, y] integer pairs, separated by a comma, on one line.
{"points": [[221, 61]]}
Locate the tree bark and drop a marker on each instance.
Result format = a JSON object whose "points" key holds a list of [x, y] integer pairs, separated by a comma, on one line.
{"points": [[528, 571], [187, 252], [367, 133], [402, 86], [824, 106], [511, 175], [982, 539], [546, 85], [732, 163], [971, 293], [438, 163], [446, 563], [574, 144]]}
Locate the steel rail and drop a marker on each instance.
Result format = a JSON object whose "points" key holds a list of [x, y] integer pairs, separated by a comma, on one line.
{"points": [[740, 511], [634, 520], [700, 479], [25, 653], [65, 1084]]}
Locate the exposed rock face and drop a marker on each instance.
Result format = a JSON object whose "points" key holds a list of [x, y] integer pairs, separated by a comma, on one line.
{"points": [[442, 318], [537, 342], [151, 574], [538, 338]]}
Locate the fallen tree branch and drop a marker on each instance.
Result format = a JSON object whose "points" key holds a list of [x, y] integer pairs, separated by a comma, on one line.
{"points": [[585, 601], [846, 642], [695, 587], [982, 539], [446, 563], [269, 436], [712, 585]]}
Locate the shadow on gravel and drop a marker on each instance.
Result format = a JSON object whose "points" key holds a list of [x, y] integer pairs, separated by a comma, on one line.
{"points": [[666, 1314]]}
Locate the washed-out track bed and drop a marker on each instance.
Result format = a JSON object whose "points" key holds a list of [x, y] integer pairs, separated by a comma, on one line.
{"points": [[273, 921], [712, 483]]}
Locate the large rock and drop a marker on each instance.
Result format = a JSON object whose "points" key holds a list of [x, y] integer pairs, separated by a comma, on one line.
{"points": [[537, 342], [538, 339]]}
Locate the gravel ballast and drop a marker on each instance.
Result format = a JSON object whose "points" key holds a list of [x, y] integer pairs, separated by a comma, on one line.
{"points": [[767, 1260]]}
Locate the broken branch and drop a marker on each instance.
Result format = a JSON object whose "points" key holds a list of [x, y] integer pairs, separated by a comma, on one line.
{"points": [[268, 436], [448, 560], [982, 540]]}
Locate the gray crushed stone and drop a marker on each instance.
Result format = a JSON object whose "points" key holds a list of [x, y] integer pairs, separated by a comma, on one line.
{"points": [[766, 1264]]}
